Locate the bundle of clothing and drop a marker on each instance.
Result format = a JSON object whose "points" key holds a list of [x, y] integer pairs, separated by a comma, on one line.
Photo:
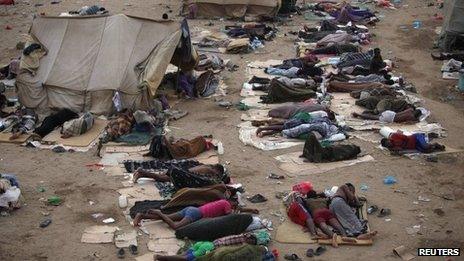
{"points": [[9, 192], [166, 149]]}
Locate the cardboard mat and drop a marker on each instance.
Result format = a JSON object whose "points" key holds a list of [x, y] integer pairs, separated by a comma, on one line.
{"points": [[293, 164], [5, 138], [344, 105], [291, 233], [83, 140]]}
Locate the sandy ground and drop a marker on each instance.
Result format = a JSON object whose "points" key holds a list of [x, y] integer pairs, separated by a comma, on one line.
{"points": [[66, 175]]}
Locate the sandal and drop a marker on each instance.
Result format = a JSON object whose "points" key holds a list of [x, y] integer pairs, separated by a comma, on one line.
{"points": [[384, 212], [121, 253], [292, 257], [320, 250], [310, 252], [372, 209], [133, 249], [258, 198]]}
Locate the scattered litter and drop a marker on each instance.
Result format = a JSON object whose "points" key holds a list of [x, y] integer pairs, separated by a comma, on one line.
{"points": [[364, 187], [108, 220], [54, 200], [423, 199], [97, 215], [413, 230], [122, 201], [389, 180], [403, 253], [45, 223], [275, 176]]}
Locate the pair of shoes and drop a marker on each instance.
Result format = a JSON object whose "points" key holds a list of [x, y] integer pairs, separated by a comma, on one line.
{"points": [[310, 252], [132, 248]]}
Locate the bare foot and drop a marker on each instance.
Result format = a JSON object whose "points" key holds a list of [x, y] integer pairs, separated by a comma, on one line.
{"points": [[137, 174], [137, 220], [15, 135], [367, 235], [334, 240]]}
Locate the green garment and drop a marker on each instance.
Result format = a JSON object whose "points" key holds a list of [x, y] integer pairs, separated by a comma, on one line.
{"points": [[304, 116], [202, 248], [234, 253]]}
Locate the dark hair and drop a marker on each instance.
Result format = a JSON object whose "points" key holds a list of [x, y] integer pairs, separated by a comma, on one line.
{"points": [[165, 16], [331, 114], [385, 142], [417, 113], [311, 194], [226, 179], [350, 185]]}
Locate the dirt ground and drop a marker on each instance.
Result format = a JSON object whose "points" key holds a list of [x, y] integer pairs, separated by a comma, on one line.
{"points": [[67, 176]]}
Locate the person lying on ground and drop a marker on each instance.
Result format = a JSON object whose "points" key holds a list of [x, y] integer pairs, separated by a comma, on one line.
{"points": [[398, 142], [379, 104], [317, 203], [21, 122], [77, 126], [322, 216], [314, 152], [191, 214], [276, 126], [202, 251], [344, 205], [298, 214], [54, 120], [408, 115], [216, 172]]}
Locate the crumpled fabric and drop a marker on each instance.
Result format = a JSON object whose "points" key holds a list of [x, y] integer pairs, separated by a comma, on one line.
{"points": [[290, 73], [31, 62], [324, 129], [340, 38]]}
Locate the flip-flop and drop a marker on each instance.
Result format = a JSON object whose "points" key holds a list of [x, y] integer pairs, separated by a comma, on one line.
{"points": [[292, 257], [320, 250], [258, 198], [372, 209], [121, 253], [133, 249], [310, 252], [384, 212]]}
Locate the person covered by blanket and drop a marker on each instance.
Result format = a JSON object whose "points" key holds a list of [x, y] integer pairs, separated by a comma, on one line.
{"points": [[398, 142], [120, 125], [408, 115], [21, 122], [313, 151], [344, 205], [189, 215], [76, 127], [54, 120]]}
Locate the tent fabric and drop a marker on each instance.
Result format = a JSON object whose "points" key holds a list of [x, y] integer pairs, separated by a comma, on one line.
{"points": [[90, 58], [233, 8], [453, 24]]}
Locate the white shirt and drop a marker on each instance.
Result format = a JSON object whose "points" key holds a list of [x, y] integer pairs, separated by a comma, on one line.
{"points": [[387, 116]]}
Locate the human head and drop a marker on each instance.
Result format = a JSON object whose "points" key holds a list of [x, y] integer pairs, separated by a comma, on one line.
{"points": [[385, 143], [230, 193], [330, 114], [233, 202], [165, 16], [350, 187], [311, 194]]}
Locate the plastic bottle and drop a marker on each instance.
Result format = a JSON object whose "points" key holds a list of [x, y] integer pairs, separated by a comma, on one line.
{"points": [[122, 201], [386, 131], [220, 148], [337, 137]]}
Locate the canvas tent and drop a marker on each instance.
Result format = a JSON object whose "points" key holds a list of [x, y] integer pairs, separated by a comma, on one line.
{"points": [[230, 8], [452, 32], [89, 59]]}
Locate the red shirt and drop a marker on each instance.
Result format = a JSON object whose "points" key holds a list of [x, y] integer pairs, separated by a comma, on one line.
{"points": [[216, 209], [402, 142]]}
